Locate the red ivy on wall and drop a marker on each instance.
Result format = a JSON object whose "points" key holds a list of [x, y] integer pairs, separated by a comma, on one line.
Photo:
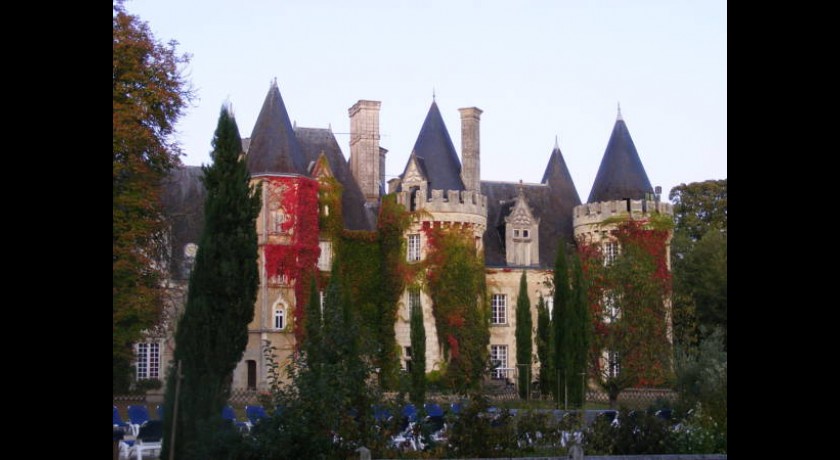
{"points": [[653, 241], [297, 260]]}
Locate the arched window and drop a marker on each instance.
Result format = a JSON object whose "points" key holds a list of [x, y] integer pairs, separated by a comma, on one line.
{"points": [[279, 317]]}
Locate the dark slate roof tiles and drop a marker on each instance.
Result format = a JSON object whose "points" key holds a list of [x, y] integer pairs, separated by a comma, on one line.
{"points": [[313, 141], [546, 203], [621, 174], [435, 148], [274, 148], [183, 202]]}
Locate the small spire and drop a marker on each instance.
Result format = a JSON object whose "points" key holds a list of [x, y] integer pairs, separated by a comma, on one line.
{"points": [[520, 189], [619, 113], [433, 94], [274, 81], [329, 126], [556, 145]]}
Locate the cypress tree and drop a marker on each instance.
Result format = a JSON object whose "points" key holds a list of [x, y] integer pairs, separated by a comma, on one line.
{"points": [[524, 327], [418, 357], [576, 337], [213, 332], [543, 331], [312, 341], [562, 294]]}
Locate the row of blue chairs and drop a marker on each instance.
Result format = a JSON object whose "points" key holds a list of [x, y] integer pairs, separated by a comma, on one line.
{"points": [[409, 411], [139, 415]]}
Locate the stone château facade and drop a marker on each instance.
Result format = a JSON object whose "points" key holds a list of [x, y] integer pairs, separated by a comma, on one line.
{"points": [[517, 226]]}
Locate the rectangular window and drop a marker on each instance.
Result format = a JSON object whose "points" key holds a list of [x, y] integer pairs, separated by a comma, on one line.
{"points": [[413, 247], [613, 364], [413, 301], [610, 308], [148, 360], [498, 356], [407, 359], [325, 257], [498, 314], [610, 252]]}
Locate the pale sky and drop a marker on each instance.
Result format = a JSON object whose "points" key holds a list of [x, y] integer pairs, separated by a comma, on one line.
{"points": [[538, 69]]}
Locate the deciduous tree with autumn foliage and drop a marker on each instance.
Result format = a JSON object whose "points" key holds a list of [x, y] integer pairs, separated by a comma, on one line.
{"points": [[150, 94]]}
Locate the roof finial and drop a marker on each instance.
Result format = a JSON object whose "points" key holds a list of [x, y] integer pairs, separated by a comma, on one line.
{"points": [[556, 145], [619, 112], [274, 81], [433, 94]]}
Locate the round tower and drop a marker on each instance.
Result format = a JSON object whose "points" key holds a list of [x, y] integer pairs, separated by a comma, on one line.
{"points": [[446, 196]]}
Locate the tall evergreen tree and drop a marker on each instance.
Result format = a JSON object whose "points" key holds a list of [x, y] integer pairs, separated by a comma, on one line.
{"points": [[562, 295], [543, 332], [524, 331], [213, 332], [418, 356], [576, 326], [312, 341]]}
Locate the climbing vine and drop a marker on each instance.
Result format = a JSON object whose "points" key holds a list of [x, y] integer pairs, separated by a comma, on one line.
{"points": [[296, 261], [627, 299], [456, 283]]}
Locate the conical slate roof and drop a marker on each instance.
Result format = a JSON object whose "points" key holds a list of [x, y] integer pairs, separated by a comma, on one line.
{"points": [[434, 147], [621, 174], [557, 176], [274, 148]]}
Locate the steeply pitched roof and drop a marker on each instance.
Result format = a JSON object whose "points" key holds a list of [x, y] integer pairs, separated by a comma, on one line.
{"points": [[274, 147], [183, 203], [313, 141], [439, 159], [546, 203], [621, 174], [557, 176]]}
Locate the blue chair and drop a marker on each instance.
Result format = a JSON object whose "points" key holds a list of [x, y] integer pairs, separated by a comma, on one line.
{"points": [[433, 410], [381, 414], [255, 414], [229, 416], [455, 408], [118, 421], [410, 412], [137, 416]]}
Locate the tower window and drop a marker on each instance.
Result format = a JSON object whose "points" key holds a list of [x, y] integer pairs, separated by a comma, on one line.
{"points": [[325, 257], [610, 252], [279, 317], [413, 247]]}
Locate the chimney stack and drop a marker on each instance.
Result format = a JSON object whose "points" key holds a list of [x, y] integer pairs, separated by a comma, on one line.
{"points": [[365, 155], [470, 148]]}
